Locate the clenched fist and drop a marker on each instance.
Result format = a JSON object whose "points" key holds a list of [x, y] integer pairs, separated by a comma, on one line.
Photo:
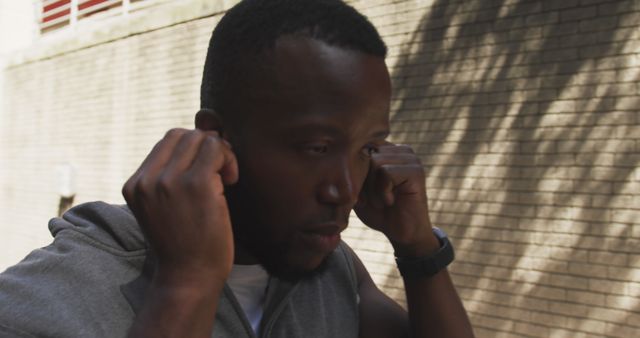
{"points": [[177, 196], [393, 200]]}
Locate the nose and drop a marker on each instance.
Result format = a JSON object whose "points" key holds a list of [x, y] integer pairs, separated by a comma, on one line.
{"points": [[339, 186]]}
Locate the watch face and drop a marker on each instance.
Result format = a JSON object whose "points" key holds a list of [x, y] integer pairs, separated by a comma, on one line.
{"points": [[429, 265], [439, 233]]}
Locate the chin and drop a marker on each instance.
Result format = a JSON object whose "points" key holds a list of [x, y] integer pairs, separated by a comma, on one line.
{"points": [[296, 272], [289, 265]]}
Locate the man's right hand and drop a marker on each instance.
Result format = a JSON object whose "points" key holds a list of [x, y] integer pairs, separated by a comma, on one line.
{"points": [[177, 196]]}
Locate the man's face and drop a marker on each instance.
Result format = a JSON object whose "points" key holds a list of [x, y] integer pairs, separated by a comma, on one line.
{"points": [[312, 120]]}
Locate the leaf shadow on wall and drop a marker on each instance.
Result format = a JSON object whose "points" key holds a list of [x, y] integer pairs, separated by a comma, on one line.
{"points": [[526, 126]]}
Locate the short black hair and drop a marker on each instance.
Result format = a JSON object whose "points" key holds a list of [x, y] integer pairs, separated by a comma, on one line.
{"points": [[252, 27]]}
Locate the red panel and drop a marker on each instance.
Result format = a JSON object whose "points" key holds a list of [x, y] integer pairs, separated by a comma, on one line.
{"points": [[90, 3], [57, 15], [55, 5]]}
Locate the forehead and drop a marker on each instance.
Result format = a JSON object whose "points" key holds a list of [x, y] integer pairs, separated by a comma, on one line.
{"points": [[303, 78]]}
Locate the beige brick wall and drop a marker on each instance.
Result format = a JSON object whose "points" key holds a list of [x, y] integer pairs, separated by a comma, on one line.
{"points": [[525, 114], [98, 100]]}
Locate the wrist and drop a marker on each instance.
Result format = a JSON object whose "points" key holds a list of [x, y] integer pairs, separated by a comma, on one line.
{"points": [[423, 245], [178, 303], [188, 280], [412, 267]]}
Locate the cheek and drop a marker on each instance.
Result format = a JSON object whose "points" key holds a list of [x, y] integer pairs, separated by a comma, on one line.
{"points": [[281, 190], [360, 173], [282, 181]]}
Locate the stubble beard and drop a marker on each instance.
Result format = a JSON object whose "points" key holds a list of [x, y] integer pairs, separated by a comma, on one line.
{"points": [[254, 236]]}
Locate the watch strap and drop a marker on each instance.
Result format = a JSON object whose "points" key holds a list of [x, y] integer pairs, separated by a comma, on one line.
{"points": [[428, 266]]}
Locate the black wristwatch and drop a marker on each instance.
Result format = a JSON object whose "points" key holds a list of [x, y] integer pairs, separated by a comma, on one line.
{"points": [[428, 266]]}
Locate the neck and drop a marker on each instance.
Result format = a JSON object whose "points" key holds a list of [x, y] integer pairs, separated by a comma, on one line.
{"points": [[242, 256]]}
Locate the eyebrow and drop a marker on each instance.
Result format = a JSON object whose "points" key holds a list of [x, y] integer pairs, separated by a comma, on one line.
{"points": [[313, 127], [330, 130]]}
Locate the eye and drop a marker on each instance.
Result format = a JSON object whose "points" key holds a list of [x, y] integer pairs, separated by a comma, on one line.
{"points": [[370, 149], [316, 149]]}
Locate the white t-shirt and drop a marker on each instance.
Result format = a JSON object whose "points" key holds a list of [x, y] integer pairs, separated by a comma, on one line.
{"points": [[249, 285]]}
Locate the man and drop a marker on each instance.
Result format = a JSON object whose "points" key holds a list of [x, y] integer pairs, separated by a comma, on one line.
{"points": [[242, 216]]}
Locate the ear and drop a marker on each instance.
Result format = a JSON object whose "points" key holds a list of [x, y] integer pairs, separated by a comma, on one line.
{"points": [[209, 119]]}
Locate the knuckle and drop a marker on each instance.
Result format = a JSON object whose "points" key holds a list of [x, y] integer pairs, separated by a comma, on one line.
{"points": [[405, 148], [143, 186], [212, 141], [192, 184], [175, 132], [196, 134], [127, 190], [386, 170], [165, 184], [376, 161], [212, 146], [157, 146]]}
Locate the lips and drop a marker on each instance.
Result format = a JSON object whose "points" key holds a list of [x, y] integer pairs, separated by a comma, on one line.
{"points": [[322, 238]]}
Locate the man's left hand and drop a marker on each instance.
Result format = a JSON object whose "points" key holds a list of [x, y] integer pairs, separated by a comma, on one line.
{"points": [[393, 200]]}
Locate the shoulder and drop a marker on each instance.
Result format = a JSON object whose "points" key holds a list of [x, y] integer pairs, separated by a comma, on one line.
{"points": [[112, 226], [380, 316], [73, 284]]}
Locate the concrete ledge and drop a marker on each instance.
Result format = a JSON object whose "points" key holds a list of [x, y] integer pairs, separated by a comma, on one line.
{"points": [[90, 32]]}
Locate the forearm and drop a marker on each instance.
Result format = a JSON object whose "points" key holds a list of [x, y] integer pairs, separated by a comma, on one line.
{"points": [[178, 307], [435, 310], [394, 201]]}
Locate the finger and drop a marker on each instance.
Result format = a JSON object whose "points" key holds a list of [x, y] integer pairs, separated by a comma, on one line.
{"points": [[389, 147], [153, 163], [373, 191], [215, 156], [406, 179], [388, 153], [161, 152], [184, 152], [395, 158], [365, 190], [393, 180], [383, 187]]}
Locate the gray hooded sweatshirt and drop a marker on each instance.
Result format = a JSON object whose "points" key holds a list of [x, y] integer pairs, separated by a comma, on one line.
{"points": [[91, 281]]}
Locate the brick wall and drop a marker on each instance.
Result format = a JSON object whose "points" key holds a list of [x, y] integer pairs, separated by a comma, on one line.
{"points": [[97, 101], [525, 114]]}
